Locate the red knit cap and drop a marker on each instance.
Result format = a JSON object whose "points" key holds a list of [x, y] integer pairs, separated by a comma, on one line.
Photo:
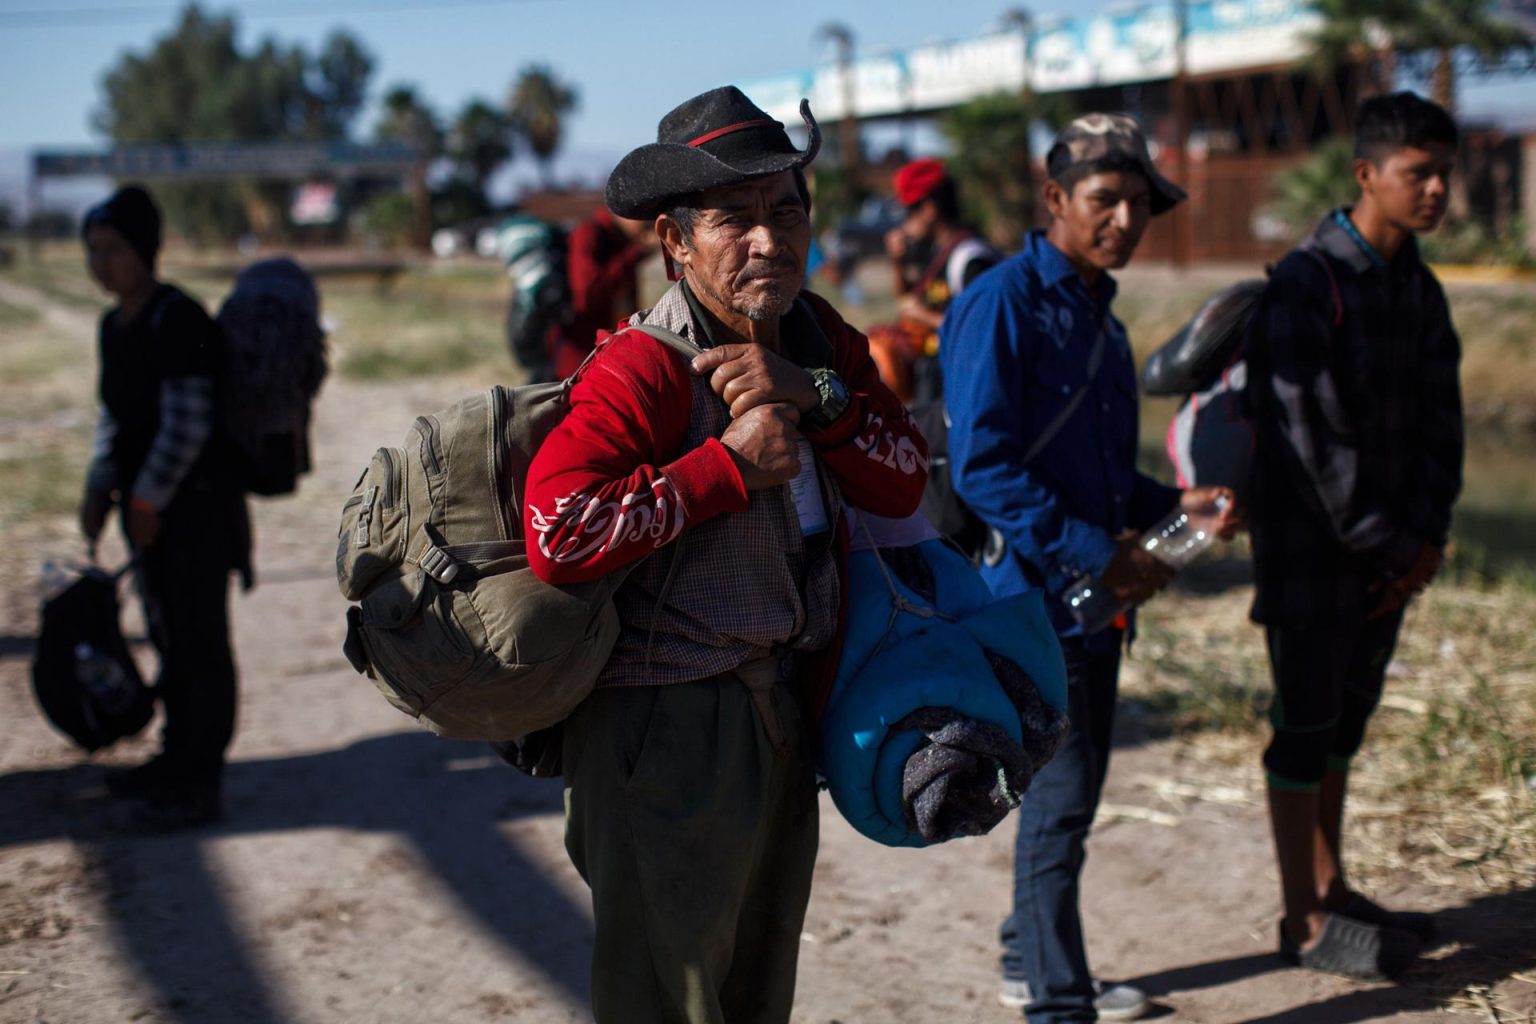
{"points": [[916, 181]]}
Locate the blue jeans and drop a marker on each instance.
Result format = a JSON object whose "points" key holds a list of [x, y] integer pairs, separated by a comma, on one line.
{"points": [[1043, 937]]}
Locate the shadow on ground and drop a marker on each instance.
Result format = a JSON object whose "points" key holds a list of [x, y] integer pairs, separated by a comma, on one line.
{"points": [[1483, 943], [444, 798]]}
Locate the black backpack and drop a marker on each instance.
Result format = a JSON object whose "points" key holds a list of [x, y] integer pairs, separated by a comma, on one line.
{"points": [[274, 363], [1211, 436], [941, 506], [83, 676]]}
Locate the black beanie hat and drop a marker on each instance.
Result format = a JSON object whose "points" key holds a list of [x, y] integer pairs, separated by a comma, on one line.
{"points": [[135, 216]]}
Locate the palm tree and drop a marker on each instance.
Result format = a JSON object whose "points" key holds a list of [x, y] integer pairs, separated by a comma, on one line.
{"points": [[480, 141], [537, 105], [1376, 32], [408, 119], [1310, 189], [991, 160]]}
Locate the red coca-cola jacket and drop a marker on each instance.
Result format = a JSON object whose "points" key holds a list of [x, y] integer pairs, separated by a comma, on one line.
{"points": [[620, 446]]}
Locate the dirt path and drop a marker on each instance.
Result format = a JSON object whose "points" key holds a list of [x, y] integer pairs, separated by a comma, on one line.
{"points": [[369, 872]]}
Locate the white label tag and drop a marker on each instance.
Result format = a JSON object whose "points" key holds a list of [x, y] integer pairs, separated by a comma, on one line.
{"points": [[810, 506]]}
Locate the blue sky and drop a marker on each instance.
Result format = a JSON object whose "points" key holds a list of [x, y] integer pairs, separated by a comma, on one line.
{"points": [[630, 60]]}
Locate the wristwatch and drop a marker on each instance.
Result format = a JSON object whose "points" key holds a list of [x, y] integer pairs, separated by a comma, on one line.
{"points": [[834, 399]]}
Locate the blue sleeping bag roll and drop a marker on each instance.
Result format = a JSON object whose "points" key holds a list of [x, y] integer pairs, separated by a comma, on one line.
{"points": [[930, 655]]}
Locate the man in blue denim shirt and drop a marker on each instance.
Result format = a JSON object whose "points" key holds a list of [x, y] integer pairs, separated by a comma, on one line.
{"points": [[1018, 355]]}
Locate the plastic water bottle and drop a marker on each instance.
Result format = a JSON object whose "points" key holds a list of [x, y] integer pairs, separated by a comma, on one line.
{"points": [[54, 580], [1177, 540], [103, 678]]}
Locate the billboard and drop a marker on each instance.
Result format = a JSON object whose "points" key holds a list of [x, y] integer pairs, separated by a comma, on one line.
{"points": [[283, 161], [1131, 45]]}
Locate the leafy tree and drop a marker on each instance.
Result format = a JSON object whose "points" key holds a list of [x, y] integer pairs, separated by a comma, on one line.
{"points": [[537, 105], [338, 85], [196, 84], [479, 142], [408, 119], [836, 194], [456, 201], [1377, 33], [388, 220], [1304, 193], [992, 163]]}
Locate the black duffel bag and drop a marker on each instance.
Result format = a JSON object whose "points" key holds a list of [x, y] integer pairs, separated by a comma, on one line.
{"points": [[85, 680]]}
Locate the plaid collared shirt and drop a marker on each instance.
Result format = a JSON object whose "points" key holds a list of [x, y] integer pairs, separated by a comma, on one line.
{"points": [[746, 583], [1357, 408]]}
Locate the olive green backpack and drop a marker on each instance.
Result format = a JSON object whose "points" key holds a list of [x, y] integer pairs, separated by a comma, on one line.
{"points": [[451, 624]]}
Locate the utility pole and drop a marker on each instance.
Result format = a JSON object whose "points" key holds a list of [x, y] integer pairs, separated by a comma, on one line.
{"points": [[1022, 20], [848, 128], [1182, 223]]}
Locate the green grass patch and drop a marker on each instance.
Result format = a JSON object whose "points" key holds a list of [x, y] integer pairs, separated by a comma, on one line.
{"points": [[13, 316], [42, 483], [427, 324]]}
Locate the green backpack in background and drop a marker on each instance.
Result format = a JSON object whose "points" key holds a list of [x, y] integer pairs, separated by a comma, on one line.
{"points": [[451, 624]]}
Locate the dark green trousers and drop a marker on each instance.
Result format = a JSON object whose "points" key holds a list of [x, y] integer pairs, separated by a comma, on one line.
{"points": [[697, 839]]}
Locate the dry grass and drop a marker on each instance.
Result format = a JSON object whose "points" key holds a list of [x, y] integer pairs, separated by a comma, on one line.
{"points": [[430, 321], [1445, 789]]}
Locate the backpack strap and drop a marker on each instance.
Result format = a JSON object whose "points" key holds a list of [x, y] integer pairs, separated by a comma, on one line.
{"points": [[994, 546], [686, 350], [1333, 283], [165, 297], [676, 342], [1095, 360]]}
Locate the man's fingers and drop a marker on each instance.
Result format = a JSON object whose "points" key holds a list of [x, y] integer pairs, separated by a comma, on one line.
{"points": [[745, 402], [712, 358]]}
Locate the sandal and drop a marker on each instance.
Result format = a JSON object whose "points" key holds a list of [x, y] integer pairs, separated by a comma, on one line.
{"points": [[1354, 949]]}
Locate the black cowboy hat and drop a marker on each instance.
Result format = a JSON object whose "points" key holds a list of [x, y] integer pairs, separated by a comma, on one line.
{"points": [[717, 138]]}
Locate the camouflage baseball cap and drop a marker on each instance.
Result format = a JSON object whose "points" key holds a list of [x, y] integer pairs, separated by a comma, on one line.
{"points": [[1095, 137]]}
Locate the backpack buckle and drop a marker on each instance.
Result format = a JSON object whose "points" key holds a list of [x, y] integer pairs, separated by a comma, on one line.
{"points": [[438, 564]]}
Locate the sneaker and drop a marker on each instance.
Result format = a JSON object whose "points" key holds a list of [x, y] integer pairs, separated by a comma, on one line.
{"points": [[1354, 949], [1112, 1001]]}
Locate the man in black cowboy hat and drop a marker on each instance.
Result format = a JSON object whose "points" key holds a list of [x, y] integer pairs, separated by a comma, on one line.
{"points": [[689, 771]]}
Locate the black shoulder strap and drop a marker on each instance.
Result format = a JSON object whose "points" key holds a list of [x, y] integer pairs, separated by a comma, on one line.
{"points": [[1333, 282], [1095, 359], [164, 296]]}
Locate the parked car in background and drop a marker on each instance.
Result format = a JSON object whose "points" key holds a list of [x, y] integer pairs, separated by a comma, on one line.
{"points": [[471, 238]]}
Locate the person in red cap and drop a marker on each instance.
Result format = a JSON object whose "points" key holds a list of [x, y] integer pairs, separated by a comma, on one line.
{"points": [[603, 260], [932, 203], [933, 221]]}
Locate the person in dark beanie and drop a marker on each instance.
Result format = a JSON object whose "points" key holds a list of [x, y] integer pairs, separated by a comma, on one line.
{"points": [[157, 459], [1353, 380]]}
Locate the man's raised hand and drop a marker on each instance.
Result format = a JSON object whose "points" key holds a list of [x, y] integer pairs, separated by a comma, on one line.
{"points": [[765, 441], [748, 376]]}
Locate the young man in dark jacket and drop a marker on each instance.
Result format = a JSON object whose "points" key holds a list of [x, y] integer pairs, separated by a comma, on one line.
{"points": [[160, 457], [1353, 378]]}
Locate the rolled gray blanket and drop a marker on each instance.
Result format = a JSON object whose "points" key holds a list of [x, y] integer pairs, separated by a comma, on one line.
{"points": [[969, 774]]}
